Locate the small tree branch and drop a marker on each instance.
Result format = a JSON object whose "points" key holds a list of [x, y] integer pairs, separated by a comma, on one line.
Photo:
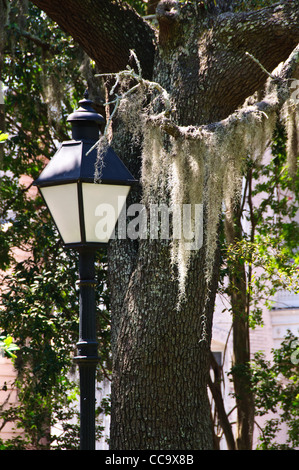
{"points": [[215, 388], [260, 65]]}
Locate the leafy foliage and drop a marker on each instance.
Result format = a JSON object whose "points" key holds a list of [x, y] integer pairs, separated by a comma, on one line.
{"points": [[268, 245], [276, 387], [44, 79], [268, 250], [7, 346]]}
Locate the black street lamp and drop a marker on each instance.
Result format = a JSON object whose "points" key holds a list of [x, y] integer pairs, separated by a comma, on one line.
{"points": [[85, 214]]}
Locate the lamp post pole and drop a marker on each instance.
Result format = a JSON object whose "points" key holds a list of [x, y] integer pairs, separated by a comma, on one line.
{"points": [[69, 190], [87, 357]]}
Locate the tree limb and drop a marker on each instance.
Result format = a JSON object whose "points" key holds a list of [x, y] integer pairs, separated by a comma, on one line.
{"points": [[215, 387], [225, 76], [269, 34], [272, 102], [220, 75], [106, 30]]}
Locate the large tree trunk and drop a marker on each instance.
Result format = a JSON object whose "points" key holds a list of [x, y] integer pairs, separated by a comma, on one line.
{"points": [[161, 348], [160, 364]]}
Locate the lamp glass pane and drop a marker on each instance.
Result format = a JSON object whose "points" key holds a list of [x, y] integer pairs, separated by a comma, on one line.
{"points": [[62, 201], [102, 205]]}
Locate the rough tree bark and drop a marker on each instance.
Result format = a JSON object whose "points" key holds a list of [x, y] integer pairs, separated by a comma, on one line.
{"points": [[160, 364]]}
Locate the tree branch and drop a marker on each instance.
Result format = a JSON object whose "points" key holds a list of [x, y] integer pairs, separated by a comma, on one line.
{"points": [[269, 34], [278, 91], [106, 30], [215, 387]]}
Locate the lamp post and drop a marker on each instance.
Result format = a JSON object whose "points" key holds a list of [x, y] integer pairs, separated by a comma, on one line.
{"points": [[78, 205]]}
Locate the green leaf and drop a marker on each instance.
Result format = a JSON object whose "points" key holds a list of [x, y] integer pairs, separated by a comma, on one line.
{"points": [[3, 137]]}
